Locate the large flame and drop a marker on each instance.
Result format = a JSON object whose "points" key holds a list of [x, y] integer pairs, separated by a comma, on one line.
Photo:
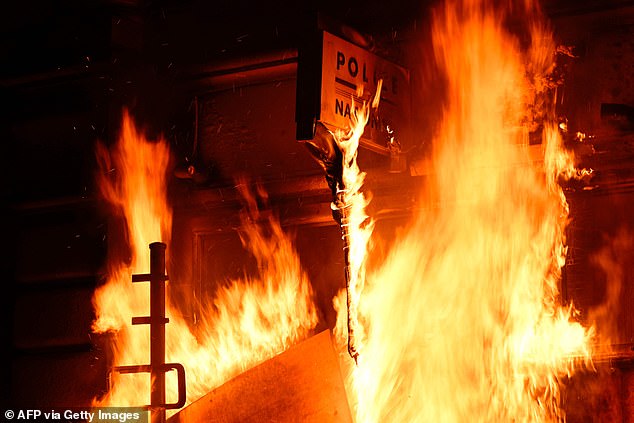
{"points": [[463, 321], [249, 321]]}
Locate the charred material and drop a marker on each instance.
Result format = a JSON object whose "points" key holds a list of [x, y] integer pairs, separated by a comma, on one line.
{"points": [[324, 149]]}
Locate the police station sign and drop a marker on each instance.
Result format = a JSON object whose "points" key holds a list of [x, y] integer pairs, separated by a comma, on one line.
{"points": [[347, 71]]}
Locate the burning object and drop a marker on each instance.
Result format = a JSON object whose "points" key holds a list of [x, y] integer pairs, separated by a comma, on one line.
{"points": [[337, 154]]}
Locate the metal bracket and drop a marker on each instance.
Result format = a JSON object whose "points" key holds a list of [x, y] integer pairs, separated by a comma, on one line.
{"points": [[146, 368]]}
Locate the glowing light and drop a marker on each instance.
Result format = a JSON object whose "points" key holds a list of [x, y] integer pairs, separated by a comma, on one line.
{"points": [[463, 321], [249, 320]]}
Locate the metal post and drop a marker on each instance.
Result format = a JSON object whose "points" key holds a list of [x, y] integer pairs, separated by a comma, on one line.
{"points": [[157, 321], [157, 330]]}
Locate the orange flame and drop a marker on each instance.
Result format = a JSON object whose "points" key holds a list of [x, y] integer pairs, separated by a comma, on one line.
{"points": [[249, 321], [355, 224], [463, 320]]}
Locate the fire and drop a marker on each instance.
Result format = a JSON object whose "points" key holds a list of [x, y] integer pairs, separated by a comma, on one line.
{"points": [[249, 321], [140, 196], [356, 227], [463, 320]]}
